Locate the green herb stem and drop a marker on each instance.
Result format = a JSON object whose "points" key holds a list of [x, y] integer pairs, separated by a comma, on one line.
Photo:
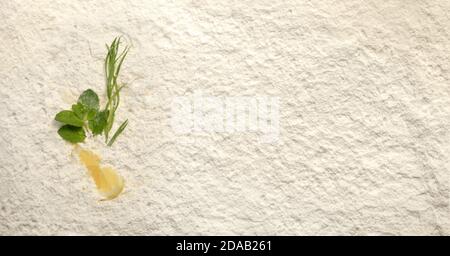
{"points": [[113, 63]]}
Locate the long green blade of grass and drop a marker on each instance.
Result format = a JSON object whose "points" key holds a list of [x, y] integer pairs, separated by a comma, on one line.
{"points": [[118, 132]]}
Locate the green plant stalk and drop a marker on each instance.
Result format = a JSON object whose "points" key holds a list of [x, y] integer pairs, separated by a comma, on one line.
{"points": [[113, 64]]}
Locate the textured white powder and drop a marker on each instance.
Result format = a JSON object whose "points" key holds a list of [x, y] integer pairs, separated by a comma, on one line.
{"points": [[364, 117]]}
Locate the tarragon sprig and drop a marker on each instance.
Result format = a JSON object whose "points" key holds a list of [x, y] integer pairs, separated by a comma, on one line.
{"points": [[113, 63]]}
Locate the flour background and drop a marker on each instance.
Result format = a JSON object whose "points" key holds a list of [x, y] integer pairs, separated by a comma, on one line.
{"points": [[365, 113]]}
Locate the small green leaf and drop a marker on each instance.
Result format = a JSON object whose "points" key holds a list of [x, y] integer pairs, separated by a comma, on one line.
{"points": [[72, 134], [97, 124], [91, 114], [89, 99], [83, 113], [69, 117], [78, 109], [118, 132]]}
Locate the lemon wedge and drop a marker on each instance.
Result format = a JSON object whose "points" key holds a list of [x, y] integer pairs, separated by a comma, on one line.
{"points": [[108, 182]]}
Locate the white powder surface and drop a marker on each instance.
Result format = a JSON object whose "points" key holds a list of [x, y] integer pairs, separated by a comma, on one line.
{"points": [[364, 93]]}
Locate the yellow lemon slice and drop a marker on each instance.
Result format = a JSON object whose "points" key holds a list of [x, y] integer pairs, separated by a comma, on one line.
{"points": [[106, 179], [112, 183]]}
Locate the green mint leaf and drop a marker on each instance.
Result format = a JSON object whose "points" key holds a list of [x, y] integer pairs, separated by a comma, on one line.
{"points": [[97, 124], [69, 117], [89, 100], [83, 113], [72, 134], [91, 114], [78, 109]]}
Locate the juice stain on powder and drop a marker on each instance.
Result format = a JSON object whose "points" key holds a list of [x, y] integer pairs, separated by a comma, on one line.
{"points": [[106, 179]]}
